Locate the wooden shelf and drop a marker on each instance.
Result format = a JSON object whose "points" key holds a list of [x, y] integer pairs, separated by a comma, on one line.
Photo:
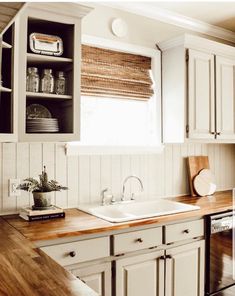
{"points": [[37, 58], [6, 45], [44, 96], [5, 89]]}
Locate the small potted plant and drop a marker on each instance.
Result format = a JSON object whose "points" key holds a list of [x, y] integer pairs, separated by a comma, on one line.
{"points": [[41, 189]]}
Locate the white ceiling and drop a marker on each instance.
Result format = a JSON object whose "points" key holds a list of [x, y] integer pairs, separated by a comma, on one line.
{"points": [[221, 14]]}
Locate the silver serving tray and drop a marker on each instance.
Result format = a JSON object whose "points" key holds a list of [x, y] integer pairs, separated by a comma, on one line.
{"points": [[46, 44]]}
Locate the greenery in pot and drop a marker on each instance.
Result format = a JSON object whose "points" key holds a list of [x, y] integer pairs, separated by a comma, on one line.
{"points": [[41, 189]]}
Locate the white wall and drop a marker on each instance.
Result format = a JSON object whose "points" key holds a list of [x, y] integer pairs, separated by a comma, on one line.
{"points": [[163, 175], [141, 30]]}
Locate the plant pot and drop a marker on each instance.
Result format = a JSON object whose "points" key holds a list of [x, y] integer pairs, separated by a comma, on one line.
{"points": [[42, 200]]}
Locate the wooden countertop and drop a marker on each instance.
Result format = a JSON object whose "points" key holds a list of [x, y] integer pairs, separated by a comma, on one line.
{"points": [[78, 223], [25, 270]]}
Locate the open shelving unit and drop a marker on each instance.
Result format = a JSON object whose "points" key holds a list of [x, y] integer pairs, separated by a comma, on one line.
{"points": [[64, 108]]}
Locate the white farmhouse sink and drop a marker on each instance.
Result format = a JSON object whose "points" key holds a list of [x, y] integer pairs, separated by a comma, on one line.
{"points": [[137, 210]]}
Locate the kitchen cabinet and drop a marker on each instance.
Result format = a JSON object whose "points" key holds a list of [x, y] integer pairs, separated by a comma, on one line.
{"points": [[185, 270], [51, 19], [155, 261], [140, 275], [96, 276], [60, 112], [198, 92], [225, 97], [201, 95]]}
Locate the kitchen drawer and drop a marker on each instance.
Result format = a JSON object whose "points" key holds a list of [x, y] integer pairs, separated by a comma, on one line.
{"points": [[137, 240], [183, 231], [80, 251]]}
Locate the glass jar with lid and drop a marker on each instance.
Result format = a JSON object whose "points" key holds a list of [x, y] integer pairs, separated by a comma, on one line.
{"points": [[32, 80], [47, 82], [60, 83]]}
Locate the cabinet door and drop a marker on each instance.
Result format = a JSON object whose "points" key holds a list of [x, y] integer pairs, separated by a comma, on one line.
{"points": [[97, 277], [185, 270], [201, 95], [140, 275], [225, 98]]}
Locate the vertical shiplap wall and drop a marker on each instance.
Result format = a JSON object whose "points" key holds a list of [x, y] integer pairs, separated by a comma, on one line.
{"points": [[164, 174]]}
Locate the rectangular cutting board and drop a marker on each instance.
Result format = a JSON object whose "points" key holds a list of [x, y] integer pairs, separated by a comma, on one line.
{"points": [[195, 165]]}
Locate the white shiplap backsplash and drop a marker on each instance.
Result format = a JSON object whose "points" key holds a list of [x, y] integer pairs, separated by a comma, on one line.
{"points": [[163, 175]]}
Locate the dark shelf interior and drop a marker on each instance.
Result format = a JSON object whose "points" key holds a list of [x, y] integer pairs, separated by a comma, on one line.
{"points": [[64, 31]]}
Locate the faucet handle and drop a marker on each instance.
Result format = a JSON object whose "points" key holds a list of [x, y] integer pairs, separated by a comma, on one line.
{"points": [[132, 196], [102, 195]]}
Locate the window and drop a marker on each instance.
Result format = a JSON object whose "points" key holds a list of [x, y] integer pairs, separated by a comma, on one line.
{"points": [[120, 102]]}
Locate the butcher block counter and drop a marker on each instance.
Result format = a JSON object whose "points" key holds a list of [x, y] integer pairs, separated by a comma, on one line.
{"points": [[26, 270], [77, 223]]}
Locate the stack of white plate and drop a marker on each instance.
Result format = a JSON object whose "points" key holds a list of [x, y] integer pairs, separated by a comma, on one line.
{"points": [[42, 125]]}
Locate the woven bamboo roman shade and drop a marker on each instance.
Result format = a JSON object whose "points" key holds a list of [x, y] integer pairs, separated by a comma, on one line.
{"points": [[115, 74]]}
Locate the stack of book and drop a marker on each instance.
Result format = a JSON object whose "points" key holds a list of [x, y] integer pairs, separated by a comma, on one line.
{"points": [[39, 215]]}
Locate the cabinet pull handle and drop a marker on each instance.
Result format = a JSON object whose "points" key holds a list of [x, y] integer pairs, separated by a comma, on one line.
{"points": [[168, 257], [186, 231], [162, 257], [139, 240], [72, 254]]}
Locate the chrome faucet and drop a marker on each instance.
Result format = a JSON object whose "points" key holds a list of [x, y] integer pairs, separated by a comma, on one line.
{"points": [[124, 183]]}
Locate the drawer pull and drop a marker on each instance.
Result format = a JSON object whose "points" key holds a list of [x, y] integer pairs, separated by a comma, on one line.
{"points": [[139, 240], [186, 231], [72, 254]]}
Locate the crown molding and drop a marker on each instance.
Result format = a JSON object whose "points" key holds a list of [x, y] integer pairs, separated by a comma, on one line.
{"points": [[172, 18], [69, 9]]}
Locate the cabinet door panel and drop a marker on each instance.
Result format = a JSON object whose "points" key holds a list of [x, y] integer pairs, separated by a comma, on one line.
{"points": [[201, 95], [140, 275], [97, 277], [225, 98], [185, 270]]}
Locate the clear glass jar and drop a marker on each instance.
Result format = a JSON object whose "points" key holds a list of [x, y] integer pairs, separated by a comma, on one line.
{"points": [[32, 80], [60, 83], [47, 82]]}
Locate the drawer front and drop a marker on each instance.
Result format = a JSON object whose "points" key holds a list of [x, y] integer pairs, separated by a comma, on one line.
{"points": [[81, 251], [183, 231], [137, 240]]}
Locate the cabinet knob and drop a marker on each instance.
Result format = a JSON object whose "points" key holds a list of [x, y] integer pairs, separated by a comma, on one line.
{"points": [[139, 240], [213, 133], [72, 254], [218, 134], [186, 231]]}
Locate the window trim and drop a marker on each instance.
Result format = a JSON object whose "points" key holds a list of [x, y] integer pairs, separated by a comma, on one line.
{"points": [[155, 55]]}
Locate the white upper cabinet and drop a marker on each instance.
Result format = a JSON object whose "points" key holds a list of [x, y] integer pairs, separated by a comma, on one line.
{"points": [[198, 90], [225, 98], [42, 115], [201, 95]]}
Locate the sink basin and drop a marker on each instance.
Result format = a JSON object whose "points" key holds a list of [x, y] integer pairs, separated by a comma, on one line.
{"points": [[137, 210]]}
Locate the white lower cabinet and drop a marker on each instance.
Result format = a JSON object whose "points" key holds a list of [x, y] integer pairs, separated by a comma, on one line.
{"points": [[159, 261], [140, 275], [97, 277], [185, 270]]}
